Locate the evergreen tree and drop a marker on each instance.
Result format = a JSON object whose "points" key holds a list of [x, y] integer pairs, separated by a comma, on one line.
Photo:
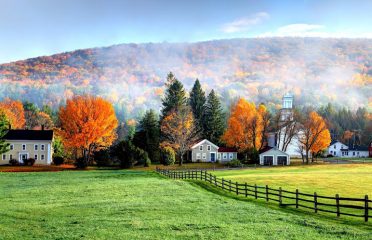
{"points": [[213, 119], [197, 102], [148, 135], [175, 95], [4, 125]]}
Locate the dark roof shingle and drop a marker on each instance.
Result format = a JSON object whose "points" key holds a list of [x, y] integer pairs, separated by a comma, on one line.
{"points": [[29, 135]]}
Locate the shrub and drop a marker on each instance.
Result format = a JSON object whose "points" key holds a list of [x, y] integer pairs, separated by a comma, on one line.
{"points": [[29, 162], [148, 162], [329, 155], [13, 162], [102, 158], [58, 160], [234, 163], [169, 156], [81, 163]]}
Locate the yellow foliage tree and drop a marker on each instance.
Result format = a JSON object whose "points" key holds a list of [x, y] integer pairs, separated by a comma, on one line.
{"points": [[246, 126], [314, 135], [88, 123], [14, 112], [178, 129]]}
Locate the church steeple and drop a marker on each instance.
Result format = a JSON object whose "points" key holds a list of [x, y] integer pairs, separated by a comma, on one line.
{"points": [[286, 113]]}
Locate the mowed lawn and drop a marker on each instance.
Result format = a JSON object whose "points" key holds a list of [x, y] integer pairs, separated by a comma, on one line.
{"points": [[119, 204], [347, 180]]}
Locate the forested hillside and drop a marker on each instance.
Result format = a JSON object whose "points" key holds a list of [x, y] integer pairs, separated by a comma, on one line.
{"points": [[132, 76]]}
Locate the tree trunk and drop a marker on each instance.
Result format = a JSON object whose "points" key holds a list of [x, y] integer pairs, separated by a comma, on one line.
{"points": [[307, 156], [181, 159]]}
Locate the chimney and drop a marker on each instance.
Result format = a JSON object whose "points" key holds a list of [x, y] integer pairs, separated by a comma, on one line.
{"points": [[10, 127], [42, 127]]}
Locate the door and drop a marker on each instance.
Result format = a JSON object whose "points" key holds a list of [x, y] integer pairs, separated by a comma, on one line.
{"points": [[213, 157], [282, 160], [268, 160], [22, 158]]}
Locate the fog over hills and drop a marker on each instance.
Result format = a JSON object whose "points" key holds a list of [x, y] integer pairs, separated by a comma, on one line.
{"points": [[132, 76]]}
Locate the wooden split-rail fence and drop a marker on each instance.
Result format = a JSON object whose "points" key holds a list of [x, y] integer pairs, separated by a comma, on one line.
{"points": [[355, 207]]}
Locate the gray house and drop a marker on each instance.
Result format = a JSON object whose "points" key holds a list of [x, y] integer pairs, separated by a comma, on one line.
{"points": [[206, 151], [273, 156]]}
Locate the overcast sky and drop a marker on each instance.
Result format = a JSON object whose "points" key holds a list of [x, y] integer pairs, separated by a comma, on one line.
{"points": [[30, 28]]}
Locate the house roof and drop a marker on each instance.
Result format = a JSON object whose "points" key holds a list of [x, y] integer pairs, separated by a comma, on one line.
{"points": [[226, 149], [204, 141], [358, 148], [267, 149], [29, 135]]}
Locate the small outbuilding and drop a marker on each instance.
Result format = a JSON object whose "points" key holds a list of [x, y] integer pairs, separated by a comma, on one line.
{"points": [[273, 156], [206, 151]]}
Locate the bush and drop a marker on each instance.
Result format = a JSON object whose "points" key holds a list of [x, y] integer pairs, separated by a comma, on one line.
{"points": [[13, 162], [329, 155], [148, 162], [29, 162], [102, 158], [81, 163], [58, 160], [235, 163], [168, 156]]}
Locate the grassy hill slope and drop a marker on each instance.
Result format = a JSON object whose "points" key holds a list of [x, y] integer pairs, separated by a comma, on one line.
{"points": [[144, 205]]}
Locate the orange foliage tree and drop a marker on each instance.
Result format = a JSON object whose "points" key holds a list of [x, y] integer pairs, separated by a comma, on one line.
{"points": [[88, 123], [179, 131], [14, 112], [246, 127], [314, 134]]}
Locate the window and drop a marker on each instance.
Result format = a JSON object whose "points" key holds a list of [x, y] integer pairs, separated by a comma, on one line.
{"points": [[204, 156], [334, 146], [230, 155], [35, 156], [10, 156], [198, 156], [201, 147], [23, 147], [209, 147], [42, 146], [353, 153], [42, 157], [224, 156], [11, 146], [36, 147], [4, 157]]}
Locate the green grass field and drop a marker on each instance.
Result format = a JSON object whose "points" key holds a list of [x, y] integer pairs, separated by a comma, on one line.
{"points": [[120, 204], [348, 180]]}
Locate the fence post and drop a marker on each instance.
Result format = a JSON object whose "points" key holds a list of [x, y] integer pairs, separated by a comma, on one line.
{"points": [[246, 190], [315, 202], [201, 174], [338, 205], [236, 187], [215, 180], [223, 184], [255, 191], [296, 198], [230, 185], [280, 196], [267, 193], [366, 208]]}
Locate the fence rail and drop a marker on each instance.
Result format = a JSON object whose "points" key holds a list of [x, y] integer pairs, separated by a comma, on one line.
{"points": [[315, 202]]}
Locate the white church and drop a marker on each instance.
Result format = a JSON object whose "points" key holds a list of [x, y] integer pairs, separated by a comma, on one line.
{"points": [[279, 139]]}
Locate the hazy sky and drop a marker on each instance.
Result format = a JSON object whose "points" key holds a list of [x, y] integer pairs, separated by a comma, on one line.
{"points": [[30, 28]]}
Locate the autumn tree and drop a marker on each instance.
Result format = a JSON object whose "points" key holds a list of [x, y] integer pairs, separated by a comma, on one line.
{"points": [[265, 118], [314, 134], [14, 112], [31, 114], [245, 127], [213, 119], [4, 124], [43, 120], [321, 143], [178, 130], [88, 123], [175, 95], [197, 101]]}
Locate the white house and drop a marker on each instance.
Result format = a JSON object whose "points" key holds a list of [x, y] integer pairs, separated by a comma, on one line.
{"points": [[338, 149], [25, 144], [206, 151], [273, 156]]}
